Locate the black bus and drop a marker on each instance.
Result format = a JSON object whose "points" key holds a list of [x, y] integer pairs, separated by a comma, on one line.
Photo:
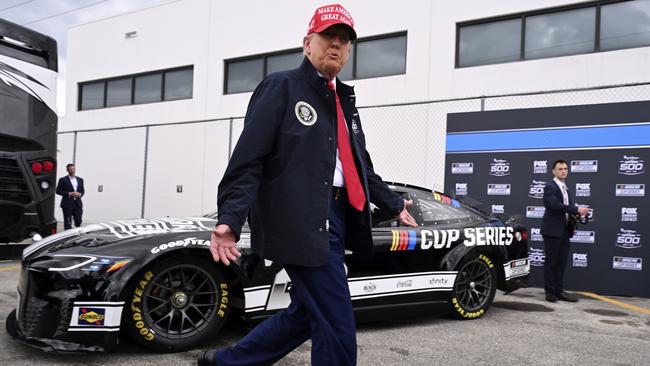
{"points": [[28, 125]]}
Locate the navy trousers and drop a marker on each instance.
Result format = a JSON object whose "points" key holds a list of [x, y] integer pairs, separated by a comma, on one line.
{"points": [[320, 309], [70, 213], [556, 251]]}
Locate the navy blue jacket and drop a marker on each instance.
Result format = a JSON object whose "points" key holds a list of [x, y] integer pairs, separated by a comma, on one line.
{"points": [[280, 174], [64, 187], [554, 223]]}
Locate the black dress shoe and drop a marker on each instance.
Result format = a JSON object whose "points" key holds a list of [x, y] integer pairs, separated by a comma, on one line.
{"points": [[207, 358], [551, 298], [565, 296]]}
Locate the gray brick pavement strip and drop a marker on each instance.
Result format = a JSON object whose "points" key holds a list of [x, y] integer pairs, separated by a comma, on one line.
{"points": [[520, 329]]}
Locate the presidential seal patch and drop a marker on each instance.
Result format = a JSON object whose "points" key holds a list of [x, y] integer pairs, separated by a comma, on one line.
{"points": [[305, 113]]}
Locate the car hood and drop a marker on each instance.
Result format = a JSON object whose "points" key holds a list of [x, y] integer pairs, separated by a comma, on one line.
{"points": [[112, 237]]}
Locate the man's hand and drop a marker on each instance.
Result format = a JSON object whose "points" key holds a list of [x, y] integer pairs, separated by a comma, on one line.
{"points": [[583, 211], [222, 245], [405, 217]]}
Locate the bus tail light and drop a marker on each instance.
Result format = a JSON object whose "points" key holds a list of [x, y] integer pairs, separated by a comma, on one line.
{"points": [[37, 168]]}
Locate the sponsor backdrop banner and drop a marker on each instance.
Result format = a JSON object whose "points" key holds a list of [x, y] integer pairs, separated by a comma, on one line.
{"points": [[504, 158]]}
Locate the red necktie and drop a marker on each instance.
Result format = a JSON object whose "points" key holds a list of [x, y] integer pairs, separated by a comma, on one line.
{"points": [[356, 196]]}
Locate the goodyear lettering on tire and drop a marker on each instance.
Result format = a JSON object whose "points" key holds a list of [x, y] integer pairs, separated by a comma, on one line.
{"points": [[223, 303], [136, 308], [466, 314]]}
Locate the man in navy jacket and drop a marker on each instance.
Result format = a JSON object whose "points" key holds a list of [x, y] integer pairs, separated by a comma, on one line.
{"points": [[305, 186], [71, 189], [557, 228]]}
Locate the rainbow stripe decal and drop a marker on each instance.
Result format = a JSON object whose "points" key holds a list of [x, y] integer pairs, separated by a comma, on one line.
{"points": [[403, 240]]}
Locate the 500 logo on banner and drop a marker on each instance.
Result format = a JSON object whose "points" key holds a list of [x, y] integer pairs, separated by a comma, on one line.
{"points": [[631, 165], [536, 189], [499, 167], [536, 257], [628, 239]]}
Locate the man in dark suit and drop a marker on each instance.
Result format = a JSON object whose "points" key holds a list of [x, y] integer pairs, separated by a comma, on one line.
{"points": [[302, 176], [557, 228], [71, 189]]}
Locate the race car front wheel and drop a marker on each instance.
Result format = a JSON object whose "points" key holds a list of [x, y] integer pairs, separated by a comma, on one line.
{"points": [[176, 304], [475, 286]]}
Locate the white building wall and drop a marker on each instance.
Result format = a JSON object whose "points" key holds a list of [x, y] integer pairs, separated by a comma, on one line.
{"points": [[407, 143]]}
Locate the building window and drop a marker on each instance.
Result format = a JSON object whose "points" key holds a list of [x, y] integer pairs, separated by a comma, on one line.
{"points": [[634, 31], [148, 88], [380, 57], [167, 85], [561, 31], [92, 95], [178, 84], [118, 92], [490, 43], [283, 62], [569, 32], [369, 57], [243, 76]]}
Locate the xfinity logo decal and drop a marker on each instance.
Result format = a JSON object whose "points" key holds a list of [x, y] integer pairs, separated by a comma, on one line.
{"points": [[498, 209], [630, 190], [580, 259], [631, 165], [535, 234], [536, 189], [584, 166], [462, 168], [628, 214], [582, 236], [499, 167], [628, 239], [536, 257], [583, 189], [535, 212], [498, 189], [628, 263], [461, 189], [540, 166]]}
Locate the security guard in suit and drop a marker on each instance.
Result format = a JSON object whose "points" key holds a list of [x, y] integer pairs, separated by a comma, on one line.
{"points": [[301, 175], [557, 228], [71, 189]]}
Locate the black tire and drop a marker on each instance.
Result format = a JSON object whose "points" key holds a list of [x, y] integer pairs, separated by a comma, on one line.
{"points": [[475, 286], [176, 304]]}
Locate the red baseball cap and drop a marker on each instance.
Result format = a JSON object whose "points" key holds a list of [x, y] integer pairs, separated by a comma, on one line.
{"points": [[329, 15]]}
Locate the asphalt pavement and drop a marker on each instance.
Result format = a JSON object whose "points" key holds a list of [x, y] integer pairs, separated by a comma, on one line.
{"points": [[520, 329]]}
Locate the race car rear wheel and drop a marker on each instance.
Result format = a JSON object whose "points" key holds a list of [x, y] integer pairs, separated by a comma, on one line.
{"points": [[475, 286], [177, 303]]}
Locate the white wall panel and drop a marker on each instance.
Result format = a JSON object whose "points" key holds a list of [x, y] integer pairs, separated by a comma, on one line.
{"points": [[175, 157], [215, 162], [115, 160]]}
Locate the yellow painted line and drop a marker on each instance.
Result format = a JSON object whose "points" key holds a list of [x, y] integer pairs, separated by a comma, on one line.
{"points": [[11, 268], [617, 303]]}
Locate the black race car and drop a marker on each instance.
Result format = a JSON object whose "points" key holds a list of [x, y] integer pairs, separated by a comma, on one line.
{"points": [[154, 279]]}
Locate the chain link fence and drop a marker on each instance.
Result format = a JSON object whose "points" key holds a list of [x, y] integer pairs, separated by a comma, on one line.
{"points": [[174, 169]]}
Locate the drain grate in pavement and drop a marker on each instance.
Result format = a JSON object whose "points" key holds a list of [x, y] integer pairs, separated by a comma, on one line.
{"points": [[522, 306], [605, 312]]}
